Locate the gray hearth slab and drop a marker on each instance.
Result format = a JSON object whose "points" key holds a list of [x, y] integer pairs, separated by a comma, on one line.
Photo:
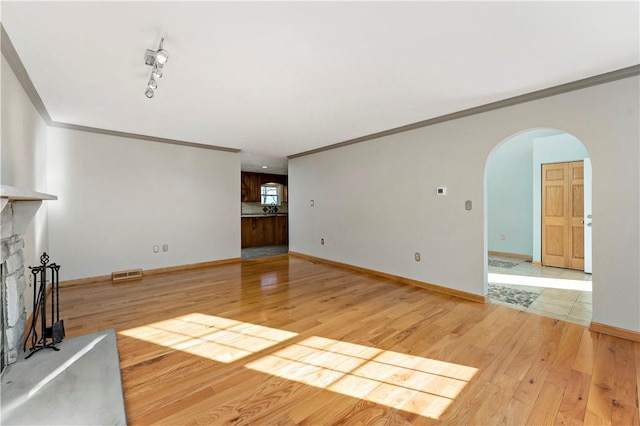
{"points": [[78, 385]]}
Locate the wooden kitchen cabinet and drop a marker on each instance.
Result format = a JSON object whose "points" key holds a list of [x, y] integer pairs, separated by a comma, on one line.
{"points": [[257, 231], [282, 230], [250, 184], [246, 232], [267, 178], [264, 231], [267, 228], [250, 187]]}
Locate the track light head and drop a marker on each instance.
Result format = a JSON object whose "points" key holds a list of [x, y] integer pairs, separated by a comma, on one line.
{"points": [[162, 57], [155, 59]]}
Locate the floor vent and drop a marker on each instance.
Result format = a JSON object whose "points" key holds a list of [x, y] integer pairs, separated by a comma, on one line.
{"points": [[134, 274]]}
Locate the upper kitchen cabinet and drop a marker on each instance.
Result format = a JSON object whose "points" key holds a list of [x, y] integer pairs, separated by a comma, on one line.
{"points": [[251, 184], [266, 178], [250, 188]]}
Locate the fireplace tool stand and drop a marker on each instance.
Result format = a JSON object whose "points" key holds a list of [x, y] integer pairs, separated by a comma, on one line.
{"points": [[49, 336]]}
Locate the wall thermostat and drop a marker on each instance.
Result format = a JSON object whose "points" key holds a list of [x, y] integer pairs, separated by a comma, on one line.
{"points": [[441, 190]]}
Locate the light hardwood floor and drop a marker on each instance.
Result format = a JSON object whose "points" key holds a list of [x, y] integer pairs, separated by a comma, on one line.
{"points": [[288, 341]]}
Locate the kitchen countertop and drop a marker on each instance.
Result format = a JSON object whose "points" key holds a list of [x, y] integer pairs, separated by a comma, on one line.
{"points": [[264, 215]]}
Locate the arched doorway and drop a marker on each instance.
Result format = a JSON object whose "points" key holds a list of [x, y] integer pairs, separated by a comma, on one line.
{"points": [[514, 190]]}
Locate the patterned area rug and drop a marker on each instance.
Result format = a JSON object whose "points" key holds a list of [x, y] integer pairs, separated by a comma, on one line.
{"points": [[511, 295], [502, 263]]}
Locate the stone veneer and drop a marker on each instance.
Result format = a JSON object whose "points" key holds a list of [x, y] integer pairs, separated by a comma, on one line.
{"points": [[14, 286]]}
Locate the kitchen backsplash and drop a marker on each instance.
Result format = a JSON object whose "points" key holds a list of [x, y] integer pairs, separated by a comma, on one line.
{"points": [[257, 208]]}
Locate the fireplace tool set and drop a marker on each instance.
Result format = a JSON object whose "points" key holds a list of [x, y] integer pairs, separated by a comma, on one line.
{"points": [[53, 334]]}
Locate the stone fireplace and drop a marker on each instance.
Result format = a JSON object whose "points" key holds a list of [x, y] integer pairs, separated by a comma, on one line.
{"points": [[18, 207]]}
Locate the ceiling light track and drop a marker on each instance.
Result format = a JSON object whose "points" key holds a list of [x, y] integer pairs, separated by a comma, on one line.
{"points": [[155, 59]]}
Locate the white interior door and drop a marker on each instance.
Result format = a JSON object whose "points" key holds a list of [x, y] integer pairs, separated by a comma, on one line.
{"points": [[587, 216]]}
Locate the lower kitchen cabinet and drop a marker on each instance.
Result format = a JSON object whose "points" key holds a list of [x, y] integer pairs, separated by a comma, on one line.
{"points": [[259, 231], [282, 230]]}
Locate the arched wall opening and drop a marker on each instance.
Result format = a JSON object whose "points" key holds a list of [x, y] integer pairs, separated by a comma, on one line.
{"points": [[513, 200]]}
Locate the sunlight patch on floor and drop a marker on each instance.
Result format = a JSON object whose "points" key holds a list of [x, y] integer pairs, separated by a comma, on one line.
{"points": [[216, 338], [411, 383], [559, 283]]}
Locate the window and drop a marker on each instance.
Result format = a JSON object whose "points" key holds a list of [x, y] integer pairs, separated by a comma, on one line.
{"points": [[270, 194]]}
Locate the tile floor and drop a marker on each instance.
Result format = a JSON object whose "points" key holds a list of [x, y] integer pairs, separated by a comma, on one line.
{"points": [[264, 251], [562, 293]]}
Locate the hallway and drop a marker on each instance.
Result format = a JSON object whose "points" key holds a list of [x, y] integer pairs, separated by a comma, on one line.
{"points": [[552, 292]]}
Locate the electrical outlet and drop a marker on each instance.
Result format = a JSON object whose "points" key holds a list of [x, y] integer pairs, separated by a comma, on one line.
{"points": [[165, 247], [156, 249], [417, 257], [502, 237], [322, 241]]}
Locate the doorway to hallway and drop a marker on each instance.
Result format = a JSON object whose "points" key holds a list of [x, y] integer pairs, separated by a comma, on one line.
{"points": [[559, 293], [518, 275]]}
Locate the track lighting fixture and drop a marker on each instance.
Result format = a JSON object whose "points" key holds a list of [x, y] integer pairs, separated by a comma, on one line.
{"points": [[155, 59]]}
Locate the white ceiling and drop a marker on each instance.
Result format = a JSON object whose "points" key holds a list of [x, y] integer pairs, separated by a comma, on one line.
{"points": [[279, 78]]}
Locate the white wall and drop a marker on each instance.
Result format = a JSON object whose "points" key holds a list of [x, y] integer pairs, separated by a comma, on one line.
{"points": [[23, 161], [118, 197], [552, 149], [375, 202]]}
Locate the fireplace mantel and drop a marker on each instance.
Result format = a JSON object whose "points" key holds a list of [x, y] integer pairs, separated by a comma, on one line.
{"points": [[25, 205], [17, 194]]}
